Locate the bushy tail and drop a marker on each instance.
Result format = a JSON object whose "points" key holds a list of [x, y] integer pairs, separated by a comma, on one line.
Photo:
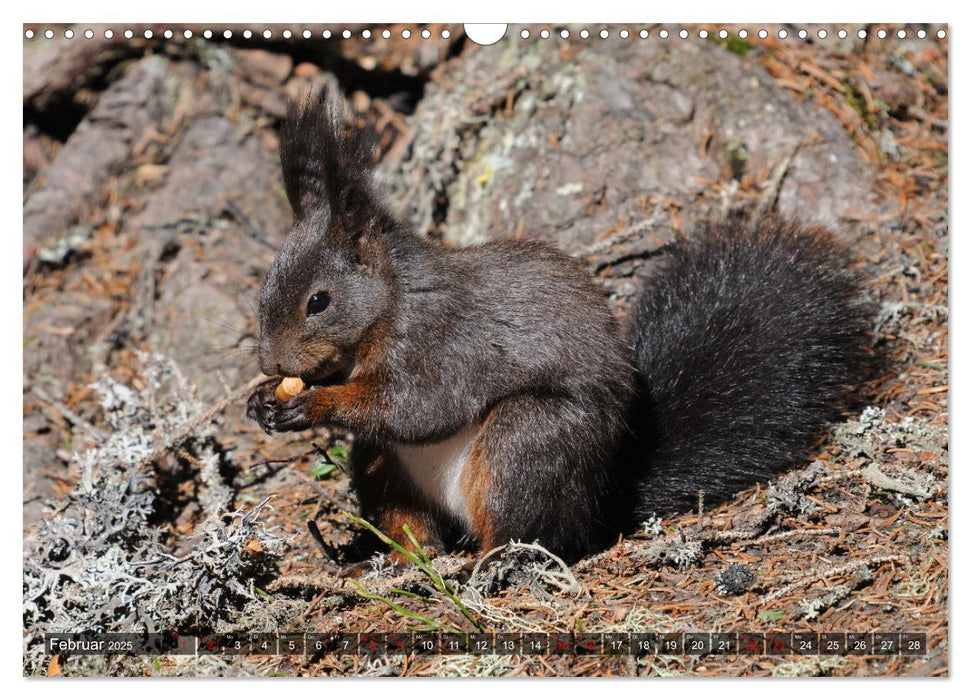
{"points": [[746, 340]]}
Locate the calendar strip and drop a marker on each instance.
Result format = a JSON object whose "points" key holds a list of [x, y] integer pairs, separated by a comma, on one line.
{"points": [[555, 643]]}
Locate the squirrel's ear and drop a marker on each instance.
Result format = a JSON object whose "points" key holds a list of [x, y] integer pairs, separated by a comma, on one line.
{"points": [[322, 165], [303, 144], [368, 254]]}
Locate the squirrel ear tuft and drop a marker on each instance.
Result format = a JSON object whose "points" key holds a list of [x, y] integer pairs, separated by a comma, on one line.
{"points": [[324, 166], [368, 253]]}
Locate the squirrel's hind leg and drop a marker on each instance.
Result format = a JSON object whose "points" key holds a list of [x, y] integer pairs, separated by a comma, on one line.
{"points": [[387, 496], [540, 471]]}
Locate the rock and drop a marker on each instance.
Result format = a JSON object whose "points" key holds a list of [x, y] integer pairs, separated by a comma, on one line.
{"points": [[569, 143], [133, 109], [58, 327], [262, 68], [199, 324], [223, 209], [200, 186], [57, 66], [306, 70], [41, 442], [39, 150], [217, 162], [261, 75], [895, 90]]}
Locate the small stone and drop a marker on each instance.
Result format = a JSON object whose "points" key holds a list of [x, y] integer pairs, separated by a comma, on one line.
{"points": [[306, 70], [736, 579]]}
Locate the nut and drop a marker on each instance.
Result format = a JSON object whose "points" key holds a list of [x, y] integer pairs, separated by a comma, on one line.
{"points": [[288, 388]]}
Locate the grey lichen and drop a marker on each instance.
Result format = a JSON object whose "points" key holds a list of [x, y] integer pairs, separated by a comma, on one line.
{"points": [[98, 562]]}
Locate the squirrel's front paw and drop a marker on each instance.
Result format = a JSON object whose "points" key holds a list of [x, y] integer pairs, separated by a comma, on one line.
{"points": [[299, 413], [262, 405]]}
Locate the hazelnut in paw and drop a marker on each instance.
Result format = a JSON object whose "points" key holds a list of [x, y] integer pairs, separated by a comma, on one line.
{"points": [[273, 406], [300, 412], [288, 388]]}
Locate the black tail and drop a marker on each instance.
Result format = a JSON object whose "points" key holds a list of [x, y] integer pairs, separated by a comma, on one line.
{"points": [[746, 341]]}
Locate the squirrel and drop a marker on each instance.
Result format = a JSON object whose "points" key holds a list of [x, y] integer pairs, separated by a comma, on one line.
{"points": [[492, 394]]}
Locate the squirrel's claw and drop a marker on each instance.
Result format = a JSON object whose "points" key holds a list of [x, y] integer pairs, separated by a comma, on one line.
{"points": [[292, 415], [262, 405], [276, 417]]}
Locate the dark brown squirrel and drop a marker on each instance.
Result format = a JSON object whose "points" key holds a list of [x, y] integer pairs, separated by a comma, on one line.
{"points": [[491, 392]]}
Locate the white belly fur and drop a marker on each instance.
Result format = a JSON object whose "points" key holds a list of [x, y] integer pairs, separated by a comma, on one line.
{"points": [[436, 469]]}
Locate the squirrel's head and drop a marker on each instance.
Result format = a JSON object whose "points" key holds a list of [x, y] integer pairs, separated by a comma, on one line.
{"points": [[329, 283]]}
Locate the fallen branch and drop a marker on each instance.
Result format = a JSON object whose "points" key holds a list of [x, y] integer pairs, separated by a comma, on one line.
{"points": [[827, 573], [192, 426]]}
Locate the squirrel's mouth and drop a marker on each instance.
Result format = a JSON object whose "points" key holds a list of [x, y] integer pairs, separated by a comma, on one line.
{"points": [[328, 373]]}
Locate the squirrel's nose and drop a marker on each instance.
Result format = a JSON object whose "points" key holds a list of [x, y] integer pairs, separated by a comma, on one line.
{"points": [[267, 365], [277, 361]]}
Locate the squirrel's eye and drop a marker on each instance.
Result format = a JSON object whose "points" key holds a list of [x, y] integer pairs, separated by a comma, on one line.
{"points": [[318, 303]]}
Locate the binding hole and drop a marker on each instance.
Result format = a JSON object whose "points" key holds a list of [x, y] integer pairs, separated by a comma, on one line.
{"points": [[486, 34]]}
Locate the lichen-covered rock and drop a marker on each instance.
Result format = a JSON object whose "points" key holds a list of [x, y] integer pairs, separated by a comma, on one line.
{"points": [[569, 142]]}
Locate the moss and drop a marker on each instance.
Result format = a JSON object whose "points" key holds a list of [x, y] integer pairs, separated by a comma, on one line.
{"points": [[738, 155], [734, 43]]}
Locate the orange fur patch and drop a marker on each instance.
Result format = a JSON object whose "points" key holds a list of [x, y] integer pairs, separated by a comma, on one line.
{"points": [[346, 402], [476, 483]]}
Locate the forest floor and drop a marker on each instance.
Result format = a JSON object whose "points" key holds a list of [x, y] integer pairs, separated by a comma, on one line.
{"points": [[853, 541]]}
